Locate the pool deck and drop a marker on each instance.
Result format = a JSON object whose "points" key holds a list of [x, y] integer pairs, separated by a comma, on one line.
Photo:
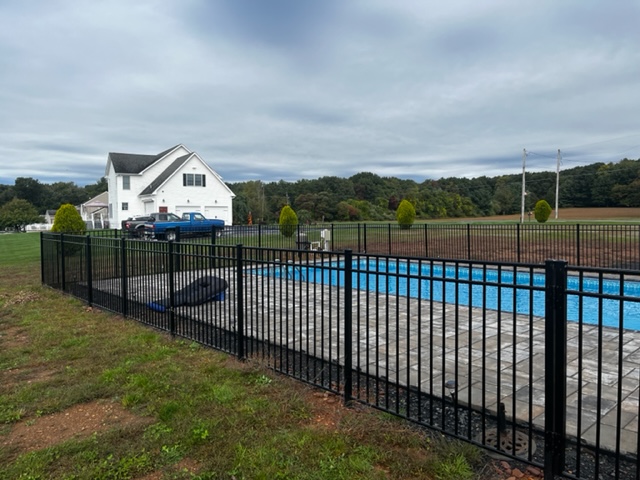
{"points": [[498, 356]]}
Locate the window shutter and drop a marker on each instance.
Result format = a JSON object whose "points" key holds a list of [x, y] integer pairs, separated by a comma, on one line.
{"points": [[184, 179], [204, 180]]}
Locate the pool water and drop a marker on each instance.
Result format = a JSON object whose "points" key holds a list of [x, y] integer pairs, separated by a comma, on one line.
{"points": [[507, 291]]}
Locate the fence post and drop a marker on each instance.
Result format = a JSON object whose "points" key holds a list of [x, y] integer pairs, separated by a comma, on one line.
{"points": [[333, 236], [359, 245], [239, 303], [63, 261], [348, 329], [89, 271], [42, 276], [468, 241], [123, 276], [426, 241], [214, 233], [389, 238], [555, 367], [172, 289], [212, 247], [578, 244], [177, 250], [518, 240], [364, 238]]}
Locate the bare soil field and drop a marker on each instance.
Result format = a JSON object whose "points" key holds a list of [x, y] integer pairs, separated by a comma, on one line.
{"points": [[607, 238], [572, 214]]}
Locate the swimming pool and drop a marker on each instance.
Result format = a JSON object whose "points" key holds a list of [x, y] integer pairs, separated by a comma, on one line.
{"points": [[504, 290]]}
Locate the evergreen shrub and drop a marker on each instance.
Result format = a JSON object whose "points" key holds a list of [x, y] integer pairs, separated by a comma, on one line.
{"points": [[406, 214], [542, 211], [288, 221], [68, 219]]}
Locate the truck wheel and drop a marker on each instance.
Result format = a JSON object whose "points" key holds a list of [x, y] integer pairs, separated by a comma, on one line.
{"points": [[171, 236], [140, 232]]}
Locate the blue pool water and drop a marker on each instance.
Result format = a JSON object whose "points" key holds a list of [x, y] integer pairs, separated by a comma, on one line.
{"points": [[522, 294]]}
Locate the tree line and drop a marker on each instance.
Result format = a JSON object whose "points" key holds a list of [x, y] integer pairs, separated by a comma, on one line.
{"points": [[43, 196], [27, 200], [368, 196]]}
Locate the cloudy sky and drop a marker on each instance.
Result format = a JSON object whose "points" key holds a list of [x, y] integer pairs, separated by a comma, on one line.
{"points": [[290, 89]]}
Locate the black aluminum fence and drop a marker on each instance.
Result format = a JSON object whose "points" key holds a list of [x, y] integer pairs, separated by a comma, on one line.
{"points": [[597, 245], [606, 246], [540, 363]]}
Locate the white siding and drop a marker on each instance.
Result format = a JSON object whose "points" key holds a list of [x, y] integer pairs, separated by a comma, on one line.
{"points": [[214, 200], [217, 212]]}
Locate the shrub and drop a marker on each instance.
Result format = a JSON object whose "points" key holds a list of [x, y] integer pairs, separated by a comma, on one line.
{"points": [[542, 211], [68, 219], [405, 214], [288, 221]]}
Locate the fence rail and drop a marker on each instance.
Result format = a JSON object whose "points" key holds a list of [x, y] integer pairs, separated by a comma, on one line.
{"points": [[539, 362]]}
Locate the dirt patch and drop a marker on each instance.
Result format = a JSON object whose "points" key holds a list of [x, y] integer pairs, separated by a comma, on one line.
{"points": [[79, 421], [16, 376], [327, 409], [19, 298], [13, 337]]}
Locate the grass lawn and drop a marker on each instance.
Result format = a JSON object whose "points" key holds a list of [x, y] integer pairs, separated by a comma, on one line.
{"points": [[86, 394]]}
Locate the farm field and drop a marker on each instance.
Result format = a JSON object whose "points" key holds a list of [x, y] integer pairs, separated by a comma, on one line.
{"points": [[566, 215]]}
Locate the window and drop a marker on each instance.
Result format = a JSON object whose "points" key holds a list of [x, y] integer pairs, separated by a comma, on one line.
{"points": [[126, 182], [125, 206], [194, 180]]}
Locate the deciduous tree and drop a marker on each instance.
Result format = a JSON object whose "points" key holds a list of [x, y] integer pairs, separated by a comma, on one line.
{"points": [[17, 214]]}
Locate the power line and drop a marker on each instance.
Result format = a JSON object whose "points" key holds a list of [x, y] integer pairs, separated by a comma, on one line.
{"points": [[575, 147], [540, 154]]}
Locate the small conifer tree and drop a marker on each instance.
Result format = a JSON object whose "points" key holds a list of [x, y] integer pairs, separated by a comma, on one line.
{"points": [[288, 221], [542, 211], [405, 214], [68, 219]]}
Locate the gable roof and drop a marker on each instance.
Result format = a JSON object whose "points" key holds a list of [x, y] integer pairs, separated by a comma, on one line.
{"points": [[164, 176], [134, 163], [100, 200]]}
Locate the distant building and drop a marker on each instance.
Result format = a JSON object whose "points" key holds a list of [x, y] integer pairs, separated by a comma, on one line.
{"points": [[49, 215], [176, 180], [95, 212]]}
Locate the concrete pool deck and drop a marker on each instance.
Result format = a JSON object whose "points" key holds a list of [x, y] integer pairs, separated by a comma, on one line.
{"points": [[498, 356]]}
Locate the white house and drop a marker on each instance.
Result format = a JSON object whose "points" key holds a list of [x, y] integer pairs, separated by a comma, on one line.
{"points": [[176, 180]]}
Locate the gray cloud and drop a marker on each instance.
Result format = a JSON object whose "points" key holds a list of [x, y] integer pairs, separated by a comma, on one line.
{"points": [[292, 89]]}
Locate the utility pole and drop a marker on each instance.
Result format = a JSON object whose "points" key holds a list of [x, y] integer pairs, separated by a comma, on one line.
{"points": [[558, 181], [524, 192]]}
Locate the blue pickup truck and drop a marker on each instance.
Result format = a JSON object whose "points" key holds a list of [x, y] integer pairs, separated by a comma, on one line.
{"points": [[191, 224]]}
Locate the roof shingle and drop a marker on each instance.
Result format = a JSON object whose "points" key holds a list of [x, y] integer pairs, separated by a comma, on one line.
{"points": [[134, 163]]}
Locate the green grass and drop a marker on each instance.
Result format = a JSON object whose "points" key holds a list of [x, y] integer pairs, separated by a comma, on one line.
{"points": [[19, 249], [202, 414]]}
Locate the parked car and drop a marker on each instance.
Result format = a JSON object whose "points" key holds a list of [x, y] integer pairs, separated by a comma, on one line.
{"points": [[134, 226], [191, 224]]}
